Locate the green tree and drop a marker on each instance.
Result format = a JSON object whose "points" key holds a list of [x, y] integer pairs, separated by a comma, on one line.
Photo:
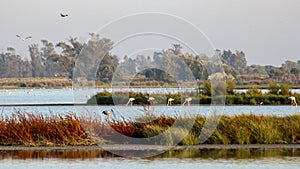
{"points": [[230, 86], [285, 89], [207, 89], [274, 88]]}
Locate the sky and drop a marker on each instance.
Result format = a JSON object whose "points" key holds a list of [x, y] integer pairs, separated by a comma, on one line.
{"points": [[267, 31]]}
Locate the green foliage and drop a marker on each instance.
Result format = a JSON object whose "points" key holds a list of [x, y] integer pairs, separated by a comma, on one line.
{"points": [[285, 89], [274, 88], [230, 87], [207, 88], [254, 91]]}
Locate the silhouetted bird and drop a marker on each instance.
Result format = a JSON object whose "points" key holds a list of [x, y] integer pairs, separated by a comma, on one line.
{"points": [[63, 15]]}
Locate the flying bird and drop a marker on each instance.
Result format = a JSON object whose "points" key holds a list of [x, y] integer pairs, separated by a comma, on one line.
{"points": [[23, 38], [63, 15]]}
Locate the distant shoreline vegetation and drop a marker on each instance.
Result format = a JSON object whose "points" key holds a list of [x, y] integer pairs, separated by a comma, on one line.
{"points": [[57, 60]]}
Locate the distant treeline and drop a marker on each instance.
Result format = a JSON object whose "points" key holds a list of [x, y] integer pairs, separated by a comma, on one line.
{"points": [[58, 60]]}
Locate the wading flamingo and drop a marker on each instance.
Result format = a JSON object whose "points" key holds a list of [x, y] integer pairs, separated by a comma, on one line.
{"points": [[130, 101], [188, 101], [148, 108], [170, 100], [293, 100]]}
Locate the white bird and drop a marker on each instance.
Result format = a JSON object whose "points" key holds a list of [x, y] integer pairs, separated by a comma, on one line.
{"points": [[188, 101], [130, 101], [23, 38], [293, 100], [170, 100], [63, 15], [148, 108], [151, 100]]}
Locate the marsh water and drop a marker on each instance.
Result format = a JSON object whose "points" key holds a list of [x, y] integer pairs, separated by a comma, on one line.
{"points": [[66, 97], [214, 158], [184, 159]]}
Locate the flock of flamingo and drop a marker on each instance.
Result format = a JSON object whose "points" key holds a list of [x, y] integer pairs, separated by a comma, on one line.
{"points": [[170, 101], [151, 103]]}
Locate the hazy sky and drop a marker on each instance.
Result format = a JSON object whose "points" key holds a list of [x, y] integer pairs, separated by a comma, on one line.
{"points": [[268, 31]]}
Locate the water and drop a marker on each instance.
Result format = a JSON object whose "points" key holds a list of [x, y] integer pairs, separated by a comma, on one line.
{"points": [[183, 159], [290, 163], [80, 96]]}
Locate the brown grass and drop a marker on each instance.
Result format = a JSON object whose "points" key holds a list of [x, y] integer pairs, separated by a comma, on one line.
{"points": [[40, 130], [33, 129], [35, 82]]}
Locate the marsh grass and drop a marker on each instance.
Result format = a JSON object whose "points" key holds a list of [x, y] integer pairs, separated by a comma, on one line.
{"points": [[33, 129]]}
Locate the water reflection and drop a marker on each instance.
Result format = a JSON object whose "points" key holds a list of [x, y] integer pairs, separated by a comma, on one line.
{"points": [[247, 153], [59, 154]]}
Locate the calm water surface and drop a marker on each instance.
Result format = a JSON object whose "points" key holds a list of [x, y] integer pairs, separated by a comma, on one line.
{"points": [[183, 159], [80, 96]]}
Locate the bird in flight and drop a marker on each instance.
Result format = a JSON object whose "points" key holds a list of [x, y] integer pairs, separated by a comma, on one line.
{"points": [[23, 38], [63, 15]]}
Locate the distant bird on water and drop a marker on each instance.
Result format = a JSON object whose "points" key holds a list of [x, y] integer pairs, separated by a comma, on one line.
{"points": [[63, 15], [108, 112], [23, 38]]}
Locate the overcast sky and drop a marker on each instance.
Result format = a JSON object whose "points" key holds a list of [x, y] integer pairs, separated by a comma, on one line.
{"points": [[268, 31]]}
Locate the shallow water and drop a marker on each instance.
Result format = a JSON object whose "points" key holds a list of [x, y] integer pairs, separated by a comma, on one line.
{"points": [[80, 96], [195, 158]]}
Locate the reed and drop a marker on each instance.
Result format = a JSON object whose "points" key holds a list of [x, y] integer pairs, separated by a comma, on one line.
{"points": [[33, 129]]}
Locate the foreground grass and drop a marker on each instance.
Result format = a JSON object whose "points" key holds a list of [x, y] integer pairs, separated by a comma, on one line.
{"points": [[63, 130]]}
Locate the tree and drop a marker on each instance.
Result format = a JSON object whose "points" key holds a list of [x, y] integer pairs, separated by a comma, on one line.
{"points": [[37, 62], [237, 60], [207, 89], [274, 88], [230, 86]]}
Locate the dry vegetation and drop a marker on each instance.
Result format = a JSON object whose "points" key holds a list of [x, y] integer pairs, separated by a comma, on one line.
{"points": [[29, 129], [35, 82]]}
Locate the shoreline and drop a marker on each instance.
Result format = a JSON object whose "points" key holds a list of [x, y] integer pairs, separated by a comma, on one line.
{"points": [[138, 147]]}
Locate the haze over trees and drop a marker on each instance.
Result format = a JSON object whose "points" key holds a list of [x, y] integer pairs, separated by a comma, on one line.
{"points": [[58, 60]]}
